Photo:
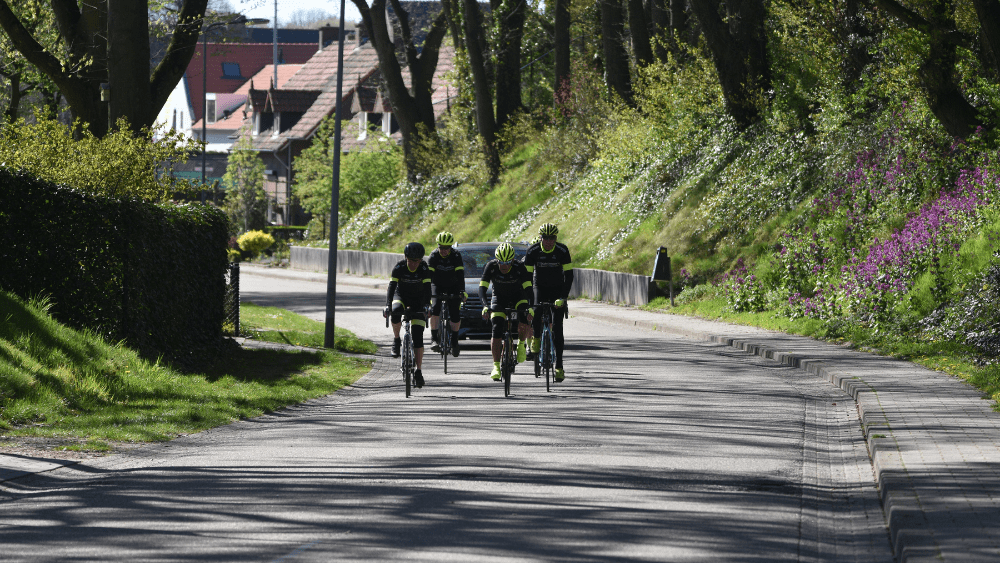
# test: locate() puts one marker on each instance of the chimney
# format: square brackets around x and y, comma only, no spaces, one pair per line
[327,35]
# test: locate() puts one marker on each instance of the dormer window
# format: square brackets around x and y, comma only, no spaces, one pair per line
[231,70]
[210,108]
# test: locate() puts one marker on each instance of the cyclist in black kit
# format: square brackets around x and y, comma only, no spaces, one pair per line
[409,288]
[511,288]
[447,277]
[551,268]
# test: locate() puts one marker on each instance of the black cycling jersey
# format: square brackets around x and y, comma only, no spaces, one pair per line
[552,270]
[510,288]
[447,274]
[413,288]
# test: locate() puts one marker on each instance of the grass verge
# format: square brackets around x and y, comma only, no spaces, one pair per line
[271,324]
[60,383]
[946,356]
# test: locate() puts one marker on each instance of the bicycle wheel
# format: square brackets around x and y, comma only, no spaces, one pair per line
[546,355]
[408,362]
[507,365]
[443,335]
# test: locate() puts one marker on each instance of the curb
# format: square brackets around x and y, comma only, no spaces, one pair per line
[899,503]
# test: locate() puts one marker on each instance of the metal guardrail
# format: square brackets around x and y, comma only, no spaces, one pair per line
[232,306]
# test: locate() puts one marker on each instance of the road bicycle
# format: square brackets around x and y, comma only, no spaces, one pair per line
[407,355]
[546,356]
[508,359]
[444,326]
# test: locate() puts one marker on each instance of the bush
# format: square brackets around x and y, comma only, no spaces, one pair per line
[150,274]
[121,164]
[255,242]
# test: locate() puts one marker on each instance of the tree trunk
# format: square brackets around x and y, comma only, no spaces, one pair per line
[944,97]
[85,29]
[510,16]
[616,70]
[485,123]
[739,52]
[10,114]
[988,12]
[680,24]
[128,64]
[415,113]
[561,36]
[639,30]
[854,35]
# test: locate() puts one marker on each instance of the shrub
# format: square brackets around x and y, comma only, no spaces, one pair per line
[121,164]
[255,242]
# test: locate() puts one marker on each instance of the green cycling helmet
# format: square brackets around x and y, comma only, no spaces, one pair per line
[445,239]
[548,230]
[505,253]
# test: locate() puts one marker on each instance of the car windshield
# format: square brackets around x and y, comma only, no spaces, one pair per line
[475,259]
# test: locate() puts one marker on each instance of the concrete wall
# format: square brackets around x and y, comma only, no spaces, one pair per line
[600,285]
[614,287]
[377,264]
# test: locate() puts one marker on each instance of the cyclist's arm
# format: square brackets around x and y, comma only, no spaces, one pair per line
[390,292]
[567,276]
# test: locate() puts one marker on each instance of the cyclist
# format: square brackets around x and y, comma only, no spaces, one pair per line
[511,288]
[409,287]
[551,268]
[447,276]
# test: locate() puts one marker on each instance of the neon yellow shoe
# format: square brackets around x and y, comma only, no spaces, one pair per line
[560,375]
[522,354]
[495,376]
[536,345]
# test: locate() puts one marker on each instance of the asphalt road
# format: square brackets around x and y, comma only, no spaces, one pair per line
[656,448]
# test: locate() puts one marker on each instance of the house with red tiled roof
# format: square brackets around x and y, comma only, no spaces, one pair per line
[281,126]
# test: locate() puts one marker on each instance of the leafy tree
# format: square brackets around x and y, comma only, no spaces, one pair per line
[364,174]
[412,106]
[121,164]
[246,202]
[90,48]
[22,77]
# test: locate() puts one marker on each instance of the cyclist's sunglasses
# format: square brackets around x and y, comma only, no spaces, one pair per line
[549,237]
[444,247]
[505,262]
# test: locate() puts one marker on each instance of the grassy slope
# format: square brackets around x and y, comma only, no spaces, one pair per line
[55,381]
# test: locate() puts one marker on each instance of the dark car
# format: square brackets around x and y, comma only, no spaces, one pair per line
[475,255]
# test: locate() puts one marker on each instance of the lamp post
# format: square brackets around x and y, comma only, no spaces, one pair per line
[331,270]
[241,20]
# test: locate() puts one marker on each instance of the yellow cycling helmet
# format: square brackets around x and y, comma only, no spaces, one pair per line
[548,230]
[505,253]
[445,239]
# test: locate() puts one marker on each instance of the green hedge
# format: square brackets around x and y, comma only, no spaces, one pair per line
[149,274]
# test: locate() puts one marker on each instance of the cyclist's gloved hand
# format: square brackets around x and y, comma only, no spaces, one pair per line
[465,296]
[385,312]
[486,311]
[531,312]
[559,303]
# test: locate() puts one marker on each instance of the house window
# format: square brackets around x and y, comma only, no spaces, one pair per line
[210,110]
[231,70]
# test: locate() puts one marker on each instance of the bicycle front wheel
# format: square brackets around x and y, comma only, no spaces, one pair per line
[507,366]
[547,354]
[408,363]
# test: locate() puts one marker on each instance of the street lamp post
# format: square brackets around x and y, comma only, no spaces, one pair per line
[241,20]
[331,270]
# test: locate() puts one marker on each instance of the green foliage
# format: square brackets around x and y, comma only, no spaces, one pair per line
[272,324]
[120,165]
[245,202]
[365,173]
[56,381]
[255,242]
[149,274]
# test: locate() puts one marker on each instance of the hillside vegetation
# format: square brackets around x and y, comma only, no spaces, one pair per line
[848,204]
